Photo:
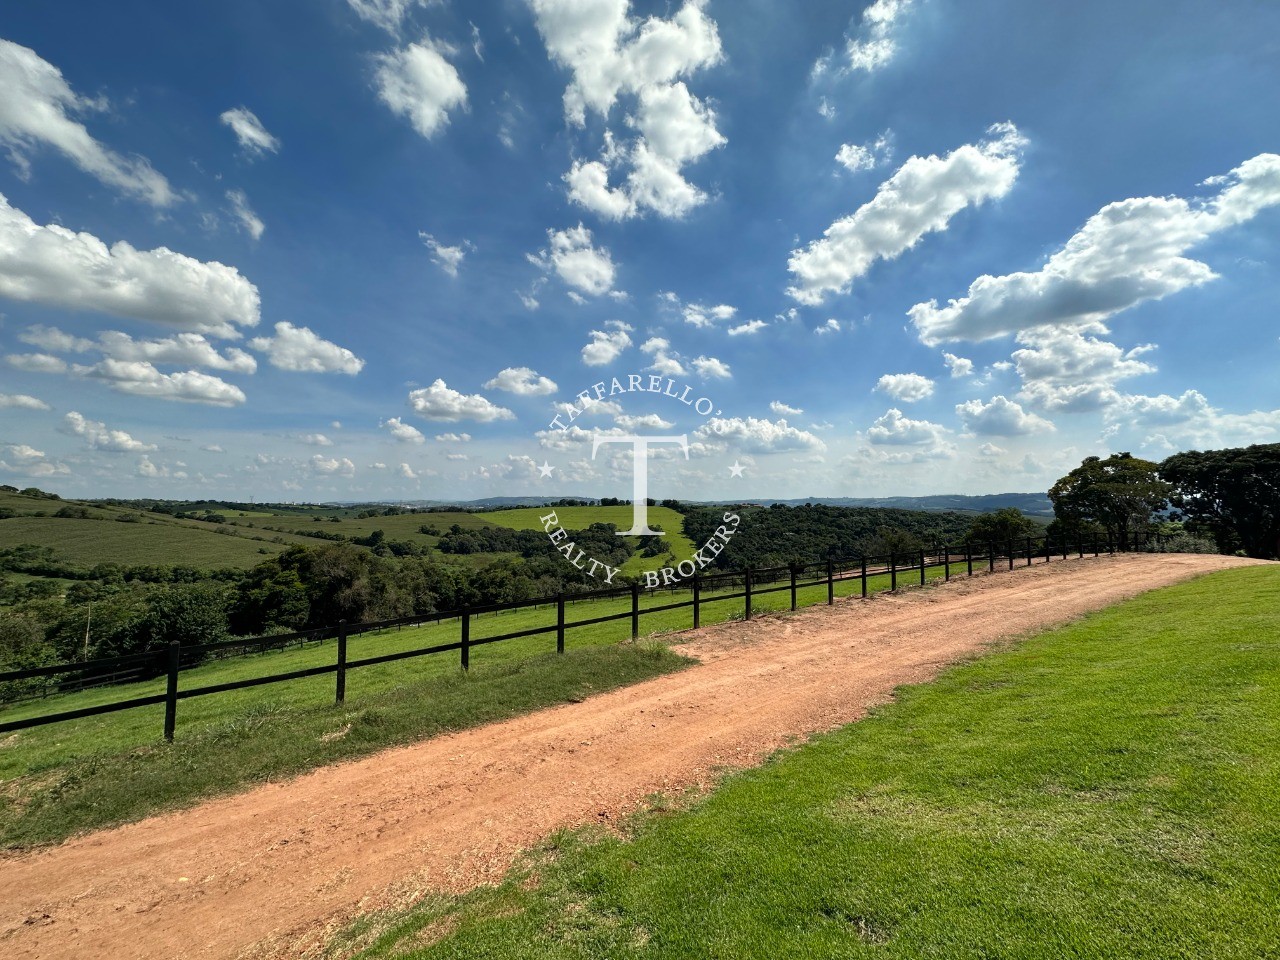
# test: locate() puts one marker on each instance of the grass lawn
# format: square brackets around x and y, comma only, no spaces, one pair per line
[88,542]
[671,522]
[36,765]
[1108,789]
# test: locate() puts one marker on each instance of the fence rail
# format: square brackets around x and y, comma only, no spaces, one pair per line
[171,661]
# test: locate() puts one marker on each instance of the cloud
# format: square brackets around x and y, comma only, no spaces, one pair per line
[323,466]
[665,361]
[407,473]
[907,387]
[1127,253]
[252,136]
[447,259]
[920,198]
[1070,370]
[895,429]
[611,54]
[709,368]
[418,83]
[858,157]
[248,220]
[32,463]
[578,263]
[453,437]
[783,410]
[21,401]
[100,437]
[959,366]
[183,349]
[36,111]
[759,436]
[141,379]
[54,340]
[523,382]
[1190,421]
[387,14]
[54,266]
[404,432]
[875,45]
[702,317]
[831,326]
[315,440]
[606,345]
[300,350]
[750,327]
[1001,417]
[36,362]
[439,402]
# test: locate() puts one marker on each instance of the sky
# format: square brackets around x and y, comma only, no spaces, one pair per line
[319,250]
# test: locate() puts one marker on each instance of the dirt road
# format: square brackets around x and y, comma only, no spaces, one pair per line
[268,871]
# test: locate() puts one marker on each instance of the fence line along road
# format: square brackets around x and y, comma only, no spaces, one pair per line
[754,583]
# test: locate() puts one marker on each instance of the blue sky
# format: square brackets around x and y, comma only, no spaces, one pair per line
[344,249]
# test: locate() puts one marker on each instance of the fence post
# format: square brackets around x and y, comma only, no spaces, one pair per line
[466,639]
[1010,553]
[1095,544]
[831,582]
[1080,547]
[697,598]
[991,557]
[946,562]
[864,577]
[922,567]
[171,691]
[341,693]
[1066,547]
[635,611]
[559,623]
[793,587]
[1111,547]
[893,571]
[747,590]
[968,556]
[1028,551]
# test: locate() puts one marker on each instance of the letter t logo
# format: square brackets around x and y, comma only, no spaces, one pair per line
[639,476]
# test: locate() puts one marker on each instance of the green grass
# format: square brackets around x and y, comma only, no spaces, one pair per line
[671,522]
[88,542]
[36,760]
[1107,789]
[275,738]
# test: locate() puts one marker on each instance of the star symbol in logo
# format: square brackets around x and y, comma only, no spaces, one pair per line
[736,469]
[546,469]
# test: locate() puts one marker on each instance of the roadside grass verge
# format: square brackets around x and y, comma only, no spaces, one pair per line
[1107,789]
[270,739]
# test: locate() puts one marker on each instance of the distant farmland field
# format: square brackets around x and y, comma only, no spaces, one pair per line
[579,518]
[89,542]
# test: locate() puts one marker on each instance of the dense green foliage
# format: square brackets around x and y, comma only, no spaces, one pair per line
[1120,495]
[1108,789]
[1235,494]
[779,535]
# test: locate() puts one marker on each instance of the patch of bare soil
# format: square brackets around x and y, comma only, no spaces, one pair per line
[270,871]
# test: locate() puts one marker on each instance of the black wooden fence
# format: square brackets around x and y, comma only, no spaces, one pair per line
[745,585]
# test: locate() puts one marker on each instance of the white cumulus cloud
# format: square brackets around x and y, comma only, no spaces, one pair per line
[1001,417]
[523,382]
[418,83]
[38,109]
[605,346]
[440,402]
[54,266]
[404,432]
[301,350]
[574,258]
[98,436]
[1127,253]
[920,198]
[907,387]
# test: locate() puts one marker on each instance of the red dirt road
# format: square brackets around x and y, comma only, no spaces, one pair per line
[267,872]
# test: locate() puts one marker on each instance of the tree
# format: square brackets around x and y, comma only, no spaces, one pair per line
[1000,527]
[1121,494]
[1234,492]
